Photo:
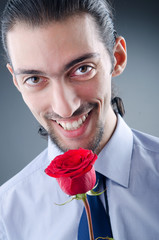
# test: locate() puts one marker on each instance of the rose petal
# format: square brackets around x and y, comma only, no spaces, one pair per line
[74,171]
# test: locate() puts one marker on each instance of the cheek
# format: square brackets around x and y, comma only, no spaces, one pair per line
[98,89]
[105,87]
[36,105]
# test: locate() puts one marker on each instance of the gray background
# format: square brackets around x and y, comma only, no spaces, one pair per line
[138,22]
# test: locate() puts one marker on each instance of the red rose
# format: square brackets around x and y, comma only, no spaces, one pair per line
[74,171]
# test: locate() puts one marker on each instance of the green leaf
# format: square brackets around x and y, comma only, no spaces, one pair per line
[77,197]
[96,185]
[70,200]
[81,196]
[93,193]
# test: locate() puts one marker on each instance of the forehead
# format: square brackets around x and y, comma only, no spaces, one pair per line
[55,42]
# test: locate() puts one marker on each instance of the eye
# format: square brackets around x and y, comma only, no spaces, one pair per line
[82,70]
[33,81]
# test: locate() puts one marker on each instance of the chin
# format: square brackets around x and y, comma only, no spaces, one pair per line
[91,143]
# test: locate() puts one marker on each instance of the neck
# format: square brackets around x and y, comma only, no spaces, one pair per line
[109,129]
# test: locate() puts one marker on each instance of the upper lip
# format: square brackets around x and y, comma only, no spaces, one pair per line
[71,119]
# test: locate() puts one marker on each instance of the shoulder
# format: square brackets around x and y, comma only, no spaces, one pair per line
[145,141]
[145,155]
[38,163]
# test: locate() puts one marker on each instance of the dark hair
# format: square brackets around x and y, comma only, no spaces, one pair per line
[40,12]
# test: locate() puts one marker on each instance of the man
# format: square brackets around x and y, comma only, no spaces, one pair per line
[62,56]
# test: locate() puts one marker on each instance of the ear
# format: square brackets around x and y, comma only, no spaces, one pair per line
[120,56]
[13,75]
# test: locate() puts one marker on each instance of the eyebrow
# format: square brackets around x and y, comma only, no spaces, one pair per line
[28,71]
[80,59]
[66,67]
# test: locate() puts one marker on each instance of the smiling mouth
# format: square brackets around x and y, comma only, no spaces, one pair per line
[70,126]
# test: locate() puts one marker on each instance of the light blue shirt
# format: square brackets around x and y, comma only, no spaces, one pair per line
[130,161]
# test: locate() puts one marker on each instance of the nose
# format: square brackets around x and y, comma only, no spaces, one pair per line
[64,99]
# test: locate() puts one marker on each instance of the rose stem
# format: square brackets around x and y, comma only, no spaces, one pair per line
[89,219]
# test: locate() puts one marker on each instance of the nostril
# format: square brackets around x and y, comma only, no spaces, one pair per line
[64,99]
[65,109]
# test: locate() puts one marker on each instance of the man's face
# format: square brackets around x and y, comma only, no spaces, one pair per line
[63,72]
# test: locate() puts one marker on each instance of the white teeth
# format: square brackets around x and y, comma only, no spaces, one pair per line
[73,125]
[68,126]
[83,118]
[63,125]
[80,121]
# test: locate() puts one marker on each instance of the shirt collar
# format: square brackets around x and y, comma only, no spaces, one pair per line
[115,158]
